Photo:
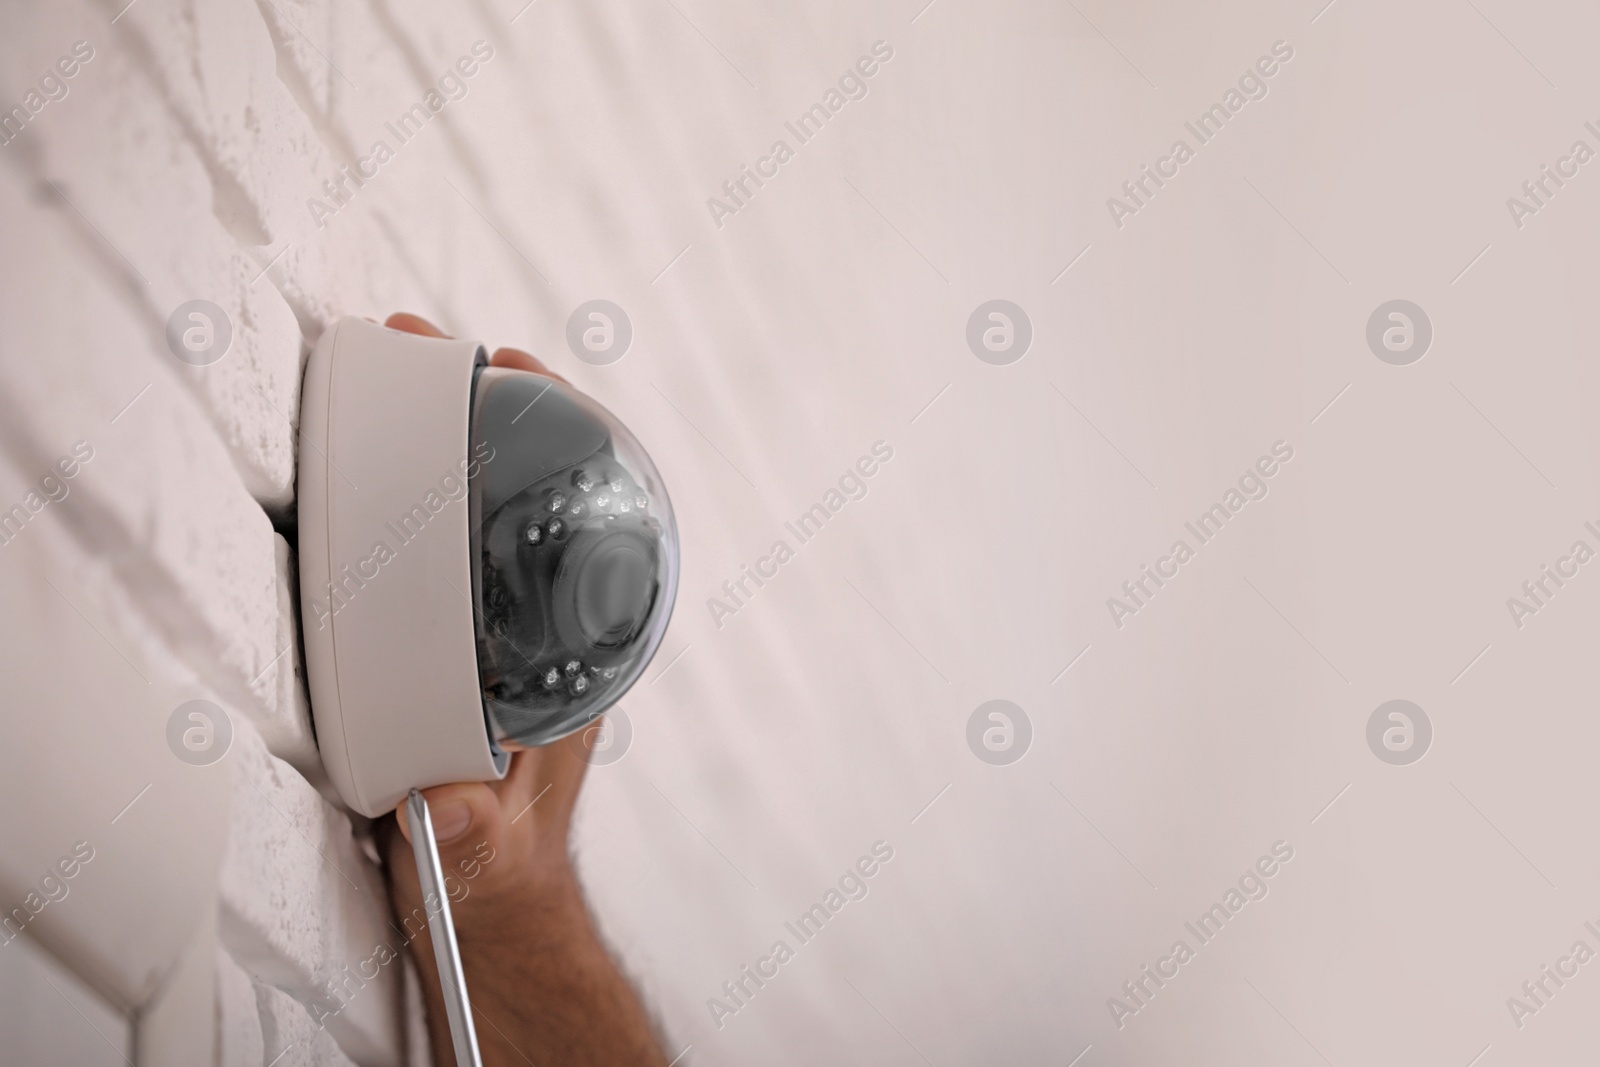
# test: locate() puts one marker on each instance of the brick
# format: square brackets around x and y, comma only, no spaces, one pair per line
[138,174]
[239,1036]
[238,79]
[283,716]
[301,902]
[406,237]
[161,507]
[291,1036]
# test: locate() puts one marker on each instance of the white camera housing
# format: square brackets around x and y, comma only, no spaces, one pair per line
[470,579]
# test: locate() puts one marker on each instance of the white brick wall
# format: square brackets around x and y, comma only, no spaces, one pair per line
[170,172]
[178,167]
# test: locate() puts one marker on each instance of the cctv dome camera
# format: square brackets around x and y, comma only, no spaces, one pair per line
[488,559]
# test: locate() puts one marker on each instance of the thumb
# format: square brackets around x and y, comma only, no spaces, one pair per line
[469,827]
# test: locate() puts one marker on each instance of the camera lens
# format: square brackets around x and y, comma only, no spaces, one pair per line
[604,590]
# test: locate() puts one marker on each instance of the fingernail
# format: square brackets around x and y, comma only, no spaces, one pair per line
[451,819]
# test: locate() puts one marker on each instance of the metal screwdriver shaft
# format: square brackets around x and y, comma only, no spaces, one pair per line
[446,954]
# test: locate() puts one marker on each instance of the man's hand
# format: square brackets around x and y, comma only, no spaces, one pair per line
[544,989]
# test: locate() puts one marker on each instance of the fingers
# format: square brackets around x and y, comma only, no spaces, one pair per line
[517,359]
[409,323]
[494,835]
[514,358]
[454,810]
[471,830]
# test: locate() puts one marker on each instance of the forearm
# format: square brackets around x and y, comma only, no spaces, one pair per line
[544,988]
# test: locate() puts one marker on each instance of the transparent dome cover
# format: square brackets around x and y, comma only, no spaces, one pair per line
[574,555]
